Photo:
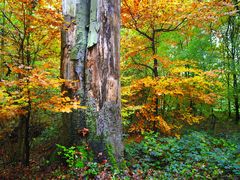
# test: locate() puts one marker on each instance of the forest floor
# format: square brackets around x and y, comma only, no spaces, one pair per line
[44,166]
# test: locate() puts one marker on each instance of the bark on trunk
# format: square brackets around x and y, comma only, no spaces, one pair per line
[2,42]
[232,43]
[236,101]
[23,151]
[228,96]
[91,54]
[74,43]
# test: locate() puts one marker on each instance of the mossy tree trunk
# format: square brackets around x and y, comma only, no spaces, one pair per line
[91,55]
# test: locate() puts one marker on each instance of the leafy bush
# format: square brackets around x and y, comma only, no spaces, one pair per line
[194,155]
[74,156]
[80,161]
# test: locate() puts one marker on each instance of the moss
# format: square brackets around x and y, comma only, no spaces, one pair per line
[111,157]
[117,166]
[91,116]
[74,53]
[99,143]
[91,124]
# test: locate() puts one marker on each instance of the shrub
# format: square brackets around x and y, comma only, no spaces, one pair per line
[196,155]
[74,156]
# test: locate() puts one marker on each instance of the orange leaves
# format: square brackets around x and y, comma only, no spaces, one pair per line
[147,121]
[174,84]
[182,84]
[31,26]
[187,117]
[149,14]
[164,127]
[161,16]
[37,87]
[60,104]
[164,61]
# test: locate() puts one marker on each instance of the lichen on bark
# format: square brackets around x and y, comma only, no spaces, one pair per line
[93,24]
[93,56]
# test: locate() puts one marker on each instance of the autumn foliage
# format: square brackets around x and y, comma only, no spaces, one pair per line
[30,53]
[59,84]
[36,89]
[167,92]
[177,91]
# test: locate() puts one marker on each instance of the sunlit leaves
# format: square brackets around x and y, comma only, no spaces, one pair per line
[31,28]
[165,15]
[184,83]
[154,36]
[31,36]
[37,87]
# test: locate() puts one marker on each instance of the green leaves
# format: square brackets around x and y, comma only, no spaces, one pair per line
[75,157]
[195,155]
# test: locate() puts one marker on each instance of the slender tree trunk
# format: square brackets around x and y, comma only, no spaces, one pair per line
[23,139]
[232,43]
[155,73]
[2,42]
[228,96]
[234,49]
[236,100]
[23,151]
[91,55]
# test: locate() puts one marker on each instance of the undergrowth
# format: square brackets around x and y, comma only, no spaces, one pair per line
[195,155]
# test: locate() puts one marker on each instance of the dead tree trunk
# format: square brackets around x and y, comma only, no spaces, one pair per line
[91,55]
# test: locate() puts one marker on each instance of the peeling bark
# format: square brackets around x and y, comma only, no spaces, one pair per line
[91,54]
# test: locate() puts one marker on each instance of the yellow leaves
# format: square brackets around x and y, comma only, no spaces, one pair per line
[65,109]
[38,87]
[40,25]
[183,83]
[150,14]
[187,117]
[144,17]
[163,125]
[10,104]
[179,82]
[182,70]
[60,104]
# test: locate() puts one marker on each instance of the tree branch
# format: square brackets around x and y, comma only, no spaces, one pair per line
[135,23]
[9,20]
[140,64]
[170,28]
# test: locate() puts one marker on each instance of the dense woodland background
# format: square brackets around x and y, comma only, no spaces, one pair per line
[180,73]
